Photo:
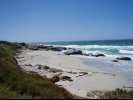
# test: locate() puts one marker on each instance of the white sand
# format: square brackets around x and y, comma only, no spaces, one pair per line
[80,86]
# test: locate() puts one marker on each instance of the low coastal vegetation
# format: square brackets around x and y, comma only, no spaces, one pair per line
[15,83]
[118,94]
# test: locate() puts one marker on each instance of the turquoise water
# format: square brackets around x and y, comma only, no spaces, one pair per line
[98,42]
[111,48]
[108,47]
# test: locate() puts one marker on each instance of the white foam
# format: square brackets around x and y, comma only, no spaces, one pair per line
[126,51]
[123,50]
[94,51]
[97,46]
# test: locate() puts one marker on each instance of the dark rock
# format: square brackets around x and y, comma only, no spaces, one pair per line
[72,72]
[33,47]
[69,48]
[124,58]
[114,60]
[55,79]
[73,52]
[84,73]
[23,44]
[45,67]
[28,65]
[57,48]
[90,54]
[85,54]
[40,47]
[39,67]
[99,55]
[64,48]
[53,70]
[18,57]
[44,47]
[66,78]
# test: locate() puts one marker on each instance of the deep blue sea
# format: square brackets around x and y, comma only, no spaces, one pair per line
[111,48]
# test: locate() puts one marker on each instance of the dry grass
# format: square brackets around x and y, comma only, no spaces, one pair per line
[31,84]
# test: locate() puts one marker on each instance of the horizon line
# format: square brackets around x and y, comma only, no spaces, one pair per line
[83,40]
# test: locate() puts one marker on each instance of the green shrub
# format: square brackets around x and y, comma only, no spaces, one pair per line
[30,84]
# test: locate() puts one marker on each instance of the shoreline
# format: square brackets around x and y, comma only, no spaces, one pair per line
[105,64]
[81,85]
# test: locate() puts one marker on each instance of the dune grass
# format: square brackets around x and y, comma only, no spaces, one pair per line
[118,94]
[25,85]
[6,93]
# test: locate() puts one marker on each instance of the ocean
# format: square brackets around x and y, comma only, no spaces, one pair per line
[111,48]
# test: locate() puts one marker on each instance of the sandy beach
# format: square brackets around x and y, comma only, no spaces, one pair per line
[86,81]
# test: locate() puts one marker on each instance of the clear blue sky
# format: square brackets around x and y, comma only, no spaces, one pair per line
[65,20]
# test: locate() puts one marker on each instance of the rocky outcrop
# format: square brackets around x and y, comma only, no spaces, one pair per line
[99,55]
[53,70]
[55,79]
[64,78]
[73,52]
[23,44]
[72,72]
[33,47]
[94,55]
[82,74]
[28,65]
[42,47]
[46,67]
[124,58]
[57,48]
[39,68]
[90,54]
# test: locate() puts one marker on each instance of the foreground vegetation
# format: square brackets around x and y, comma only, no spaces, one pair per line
[15,83]
[118,94]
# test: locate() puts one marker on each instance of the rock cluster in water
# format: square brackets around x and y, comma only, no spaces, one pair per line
[124,58]
[68,51]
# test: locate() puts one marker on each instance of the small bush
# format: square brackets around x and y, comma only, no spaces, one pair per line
[118,94]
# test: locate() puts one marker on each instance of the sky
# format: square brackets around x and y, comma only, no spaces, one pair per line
[65,20]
